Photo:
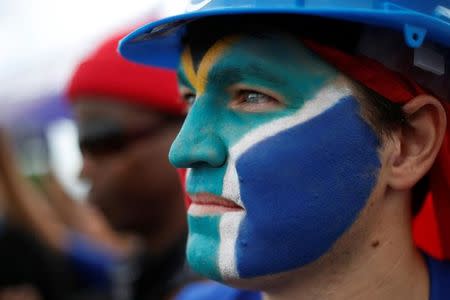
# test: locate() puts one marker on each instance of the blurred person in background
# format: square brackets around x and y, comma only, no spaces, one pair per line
[127,117]
[29,270]
[130,236]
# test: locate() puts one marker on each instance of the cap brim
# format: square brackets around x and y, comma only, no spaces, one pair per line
[159,43]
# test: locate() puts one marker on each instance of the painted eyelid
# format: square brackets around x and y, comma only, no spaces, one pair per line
[238,89]
[182,79]
[259,96]
[189,102]
[185,92]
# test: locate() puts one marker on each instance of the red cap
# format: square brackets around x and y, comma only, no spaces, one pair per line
[432,225]
[106,73]
[182,173]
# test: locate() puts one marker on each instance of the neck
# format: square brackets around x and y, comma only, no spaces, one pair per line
[386,266]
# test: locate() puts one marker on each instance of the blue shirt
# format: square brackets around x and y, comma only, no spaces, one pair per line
[439,278]
[94,262]
[215,291]
[439,288]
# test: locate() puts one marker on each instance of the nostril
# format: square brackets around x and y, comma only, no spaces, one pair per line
[200,164]
[203,152]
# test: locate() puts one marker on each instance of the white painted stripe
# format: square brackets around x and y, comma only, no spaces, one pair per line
[188,173]
[197,210]
[229,225]
[229,230]
[325,99]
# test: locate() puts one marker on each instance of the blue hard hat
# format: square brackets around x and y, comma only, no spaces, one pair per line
[159,43]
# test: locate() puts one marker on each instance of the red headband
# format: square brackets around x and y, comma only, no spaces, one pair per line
[432,225]
[106,73]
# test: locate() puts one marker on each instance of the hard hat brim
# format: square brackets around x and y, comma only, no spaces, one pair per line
[159,43]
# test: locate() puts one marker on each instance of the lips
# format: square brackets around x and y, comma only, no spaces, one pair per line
[209,204]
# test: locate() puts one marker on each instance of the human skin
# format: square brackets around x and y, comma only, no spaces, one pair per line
[303,221]
[136,188]
[293,93]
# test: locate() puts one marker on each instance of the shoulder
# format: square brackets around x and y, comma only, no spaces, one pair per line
[439,279]
[215,291]
[81,248]
[93,262]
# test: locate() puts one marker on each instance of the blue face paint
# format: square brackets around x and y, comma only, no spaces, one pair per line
[302,171]
[302,188]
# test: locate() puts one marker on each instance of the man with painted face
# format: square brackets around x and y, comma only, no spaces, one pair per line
[317,136]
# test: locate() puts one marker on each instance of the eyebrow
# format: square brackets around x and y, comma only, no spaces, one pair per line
[230,74]
[182,79]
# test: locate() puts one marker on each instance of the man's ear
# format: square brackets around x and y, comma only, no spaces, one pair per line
[418,142]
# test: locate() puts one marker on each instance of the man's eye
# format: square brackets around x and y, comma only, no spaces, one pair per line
[252,101]
[252,97]
[189,98]
[187,95]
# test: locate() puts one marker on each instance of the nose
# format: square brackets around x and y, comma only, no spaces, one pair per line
[198,145]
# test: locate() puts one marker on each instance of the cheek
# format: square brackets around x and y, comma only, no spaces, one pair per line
[203,245]
[303,188]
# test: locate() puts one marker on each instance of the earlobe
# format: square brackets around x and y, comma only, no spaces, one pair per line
[417,143]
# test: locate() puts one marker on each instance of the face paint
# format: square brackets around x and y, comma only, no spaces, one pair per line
[302,172]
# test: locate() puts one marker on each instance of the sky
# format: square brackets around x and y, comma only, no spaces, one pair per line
[42,40]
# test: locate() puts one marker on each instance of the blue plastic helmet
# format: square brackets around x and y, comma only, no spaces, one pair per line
[159,43]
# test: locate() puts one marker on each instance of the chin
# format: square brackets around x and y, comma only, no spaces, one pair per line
[259,283]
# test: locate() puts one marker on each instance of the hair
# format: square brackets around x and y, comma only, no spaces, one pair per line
[383,115]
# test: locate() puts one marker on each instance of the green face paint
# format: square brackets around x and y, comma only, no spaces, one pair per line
[277,63]
[231,77]
[204,232]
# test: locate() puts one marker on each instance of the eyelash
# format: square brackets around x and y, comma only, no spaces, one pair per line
[188,97]
[241,99]
[262,101]
[243,96]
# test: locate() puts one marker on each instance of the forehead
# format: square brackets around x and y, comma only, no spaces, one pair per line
[269,54]
[271,43]
[203,34]
[273,60]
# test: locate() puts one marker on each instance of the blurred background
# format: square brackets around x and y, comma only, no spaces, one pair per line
[42,42]
[119,232]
